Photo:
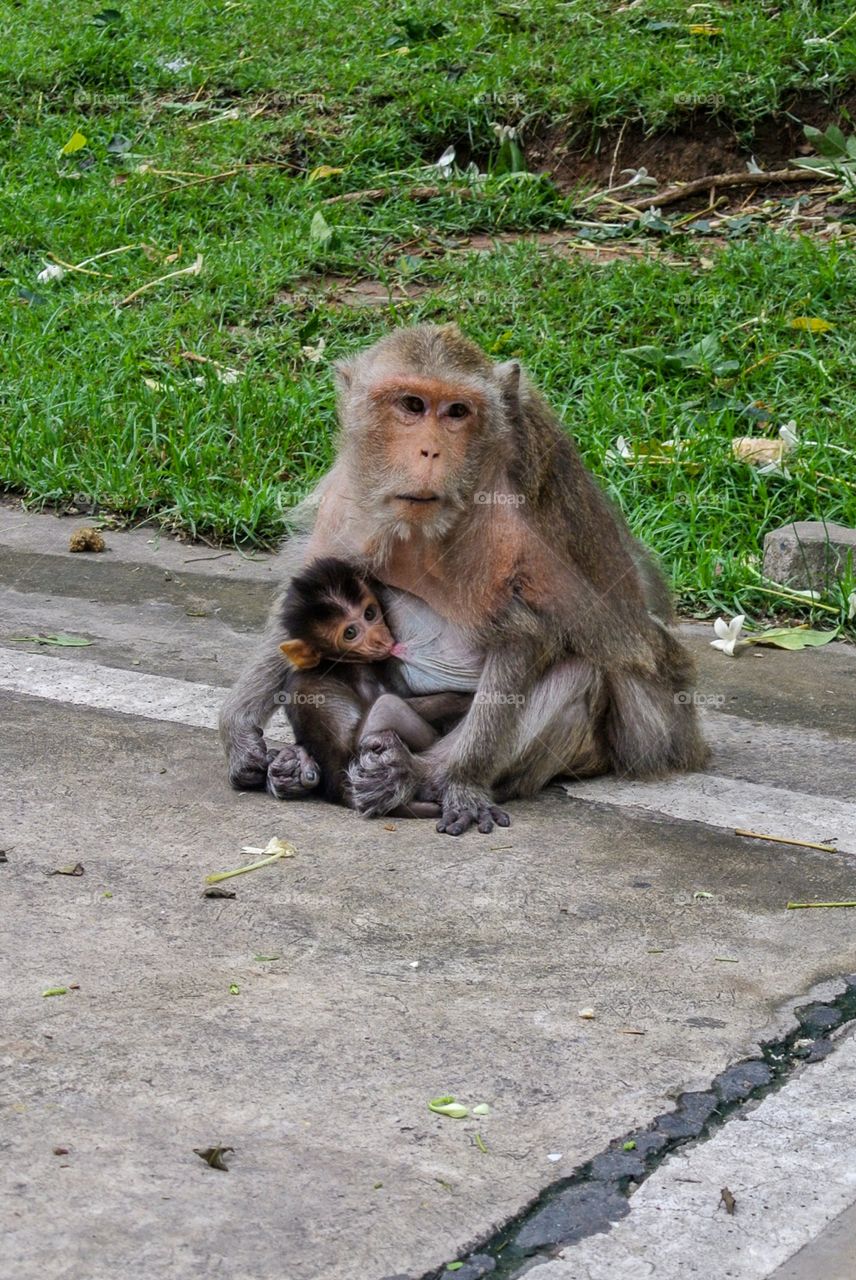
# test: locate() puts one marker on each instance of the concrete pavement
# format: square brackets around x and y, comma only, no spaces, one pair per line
[380,967]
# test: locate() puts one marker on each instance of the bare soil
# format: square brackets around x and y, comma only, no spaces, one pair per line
[700,144]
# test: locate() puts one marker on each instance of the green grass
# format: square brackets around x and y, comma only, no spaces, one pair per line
[324,85]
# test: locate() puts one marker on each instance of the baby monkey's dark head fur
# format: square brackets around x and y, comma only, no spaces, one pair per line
[331,610]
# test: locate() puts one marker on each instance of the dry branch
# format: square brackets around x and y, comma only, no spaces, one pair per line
[382,193]
[671,194]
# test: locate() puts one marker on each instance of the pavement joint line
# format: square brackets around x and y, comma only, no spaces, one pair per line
[705,798]
[599,1192]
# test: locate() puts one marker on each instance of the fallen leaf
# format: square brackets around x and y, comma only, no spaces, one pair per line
[76,870]
[726,1198]
[76,142]
[586,1013]
[323,171]
[56,991]
[216,891]
[214,1156]
[61,640]
[447,1106]
[793,637]
[481,1110]
[234,989]
[812,324]
[758,450]
[320,232]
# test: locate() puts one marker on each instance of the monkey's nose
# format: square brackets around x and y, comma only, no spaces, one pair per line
[428,453]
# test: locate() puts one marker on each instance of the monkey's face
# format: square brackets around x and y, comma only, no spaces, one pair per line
[359,634]
[425,440]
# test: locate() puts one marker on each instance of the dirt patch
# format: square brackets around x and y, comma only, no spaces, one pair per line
[344,291]
[698,145]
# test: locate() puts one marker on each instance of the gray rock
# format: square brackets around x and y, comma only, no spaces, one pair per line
[809,554]
[573,1214]
[817,1018]
[738,1082]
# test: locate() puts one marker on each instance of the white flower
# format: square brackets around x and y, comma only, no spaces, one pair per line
[728,633]
[51,272]
[315,353]
[622,452]
[788,433]
[446,162]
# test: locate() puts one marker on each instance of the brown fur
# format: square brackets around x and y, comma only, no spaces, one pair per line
[569,611]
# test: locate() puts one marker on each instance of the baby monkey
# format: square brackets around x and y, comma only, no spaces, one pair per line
[339,649]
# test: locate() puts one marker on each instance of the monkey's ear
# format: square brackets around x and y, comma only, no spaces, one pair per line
[508,376]
[300,654]
[343,372]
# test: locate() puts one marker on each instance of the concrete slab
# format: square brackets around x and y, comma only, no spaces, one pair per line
[788,1162]
[139,564]
[408,966]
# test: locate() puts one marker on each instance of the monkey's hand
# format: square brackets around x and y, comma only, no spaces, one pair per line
[383,776]
[291,772]
[464,806]
[248,762]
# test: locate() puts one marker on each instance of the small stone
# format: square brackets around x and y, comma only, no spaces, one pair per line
[692,1114]
[809,555]
[737,1082]
[817,1018]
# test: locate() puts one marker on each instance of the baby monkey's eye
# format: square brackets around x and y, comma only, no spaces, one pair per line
[413,404]
[458,410]
[350,633]
[370,613]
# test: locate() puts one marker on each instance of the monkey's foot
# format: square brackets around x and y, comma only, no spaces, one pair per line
[382,777]
[248,764]
[292,773]
[462,808]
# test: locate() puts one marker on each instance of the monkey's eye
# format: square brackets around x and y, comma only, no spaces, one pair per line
[458,410]
[413,404]
[370,613]
[350,633]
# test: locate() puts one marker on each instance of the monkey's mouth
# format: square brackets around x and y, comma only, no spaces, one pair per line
[417,497]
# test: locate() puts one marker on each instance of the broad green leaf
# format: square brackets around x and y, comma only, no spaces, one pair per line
[56,991]
[832,143]
[60,640]
[793,637]
[320,231]
[76,142]
[447,1106]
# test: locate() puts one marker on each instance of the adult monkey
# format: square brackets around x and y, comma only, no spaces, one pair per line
[455,482]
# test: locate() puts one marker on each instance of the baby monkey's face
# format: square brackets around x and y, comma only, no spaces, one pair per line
[361,635]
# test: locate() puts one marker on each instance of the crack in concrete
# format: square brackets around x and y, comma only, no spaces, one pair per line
[598,1192]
